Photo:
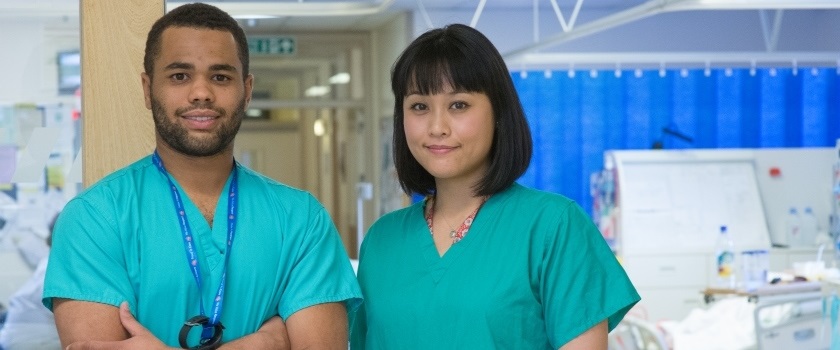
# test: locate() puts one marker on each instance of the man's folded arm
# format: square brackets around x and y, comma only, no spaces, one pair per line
[321,326]
[78,320]
[91,325]
[271,335]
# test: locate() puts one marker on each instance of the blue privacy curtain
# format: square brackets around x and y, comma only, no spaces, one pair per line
[575,117]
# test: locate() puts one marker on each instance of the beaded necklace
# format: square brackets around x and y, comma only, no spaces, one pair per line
[456,235]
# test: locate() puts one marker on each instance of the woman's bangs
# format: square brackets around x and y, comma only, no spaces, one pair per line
[434,73]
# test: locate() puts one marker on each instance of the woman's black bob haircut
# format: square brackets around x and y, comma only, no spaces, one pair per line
[463,58]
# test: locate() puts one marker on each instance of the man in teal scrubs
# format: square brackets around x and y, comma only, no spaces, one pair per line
[185,247]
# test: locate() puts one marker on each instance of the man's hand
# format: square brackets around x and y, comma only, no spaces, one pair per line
[139,336]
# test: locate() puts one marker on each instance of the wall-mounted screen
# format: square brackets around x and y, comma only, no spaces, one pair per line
[69,72]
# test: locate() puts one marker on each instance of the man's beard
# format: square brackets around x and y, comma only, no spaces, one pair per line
[177,136]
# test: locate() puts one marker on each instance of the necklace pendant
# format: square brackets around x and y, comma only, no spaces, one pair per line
[452,234]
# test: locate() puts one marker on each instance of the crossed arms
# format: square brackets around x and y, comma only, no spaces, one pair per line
[94,326]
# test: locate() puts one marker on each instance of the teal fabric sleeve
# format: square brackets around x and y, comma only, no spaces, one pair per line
[321,272]
[89,265]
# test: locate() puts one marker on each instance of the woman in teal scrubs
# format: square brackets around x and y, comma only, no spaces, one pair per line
[482,262]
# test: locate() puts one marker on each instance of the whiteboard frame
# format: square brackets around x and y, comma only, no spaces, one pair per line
[620,160]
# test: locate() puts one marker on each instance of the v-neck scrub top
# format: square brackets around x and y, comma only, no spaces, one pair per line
[533,272]
[120,240]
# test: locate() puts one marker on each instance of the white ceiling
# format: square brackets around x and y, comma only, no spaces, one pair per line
[63,14]
[604,23]
[68,9]
[344,23]
[595,15]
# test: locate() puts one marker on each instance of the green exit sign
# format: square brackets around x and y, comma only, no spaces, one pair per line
[272,45]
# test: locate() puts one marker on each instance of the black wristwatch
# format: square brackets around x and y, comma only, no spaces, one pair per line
[207,344]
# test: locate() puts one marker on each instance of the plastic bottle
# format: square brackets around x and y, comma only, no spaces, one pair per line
[725,276]
[793,228]
[809,228]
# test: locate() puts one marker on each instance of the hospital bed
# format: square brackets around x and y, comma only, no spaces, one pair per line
[757,322]
[793,321]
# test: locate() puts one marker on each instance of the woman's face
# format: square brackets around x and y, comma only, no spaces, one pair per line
[450,133]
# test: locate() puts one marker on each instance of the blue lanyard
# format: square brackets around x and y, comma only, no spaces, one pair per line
[189,244]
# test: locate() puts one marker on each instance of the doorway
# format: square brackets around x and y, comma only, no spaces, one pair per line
[304,126]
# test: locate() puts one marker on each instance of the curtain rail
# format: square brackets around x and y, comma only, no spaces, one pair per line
[671,60]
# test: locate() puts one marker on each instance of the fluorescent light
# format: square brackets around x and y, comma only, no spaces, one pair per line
[253,113]
[340,78]
[317,90]
[318,128]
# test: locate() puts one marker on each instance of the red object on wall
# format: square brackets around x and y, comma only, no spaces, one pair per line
[775,172]
[77,113]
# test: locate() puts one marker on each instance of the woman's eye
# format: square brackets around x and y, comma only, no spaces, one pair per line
[417,107]
[459,105]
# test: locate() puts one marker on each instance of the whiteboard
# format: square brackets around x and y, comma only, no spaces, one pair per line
[679,205]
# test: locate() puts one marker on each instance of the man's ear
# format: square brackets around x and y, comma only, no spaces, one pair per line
[249,88]
[147,89]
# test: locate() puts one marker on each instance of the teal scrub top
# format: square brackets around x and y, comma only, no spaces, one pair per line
[120,241]
[533,272]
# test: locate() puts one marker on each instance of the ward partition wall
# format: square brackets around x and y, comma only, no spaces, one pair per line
[117,129]
[576,115]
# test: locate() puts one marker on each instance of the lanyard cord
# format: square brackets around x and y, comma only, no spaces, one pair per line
[189,245]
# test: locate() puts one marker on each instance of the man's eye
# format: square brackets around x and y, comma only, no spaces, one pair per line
[221,78]
[179,76]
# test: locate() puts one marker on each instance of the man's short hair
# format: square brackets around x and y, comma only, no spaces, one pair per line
[199,16]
